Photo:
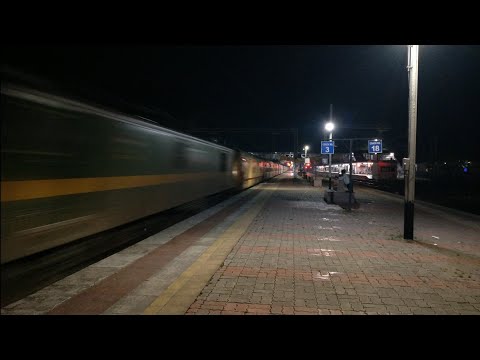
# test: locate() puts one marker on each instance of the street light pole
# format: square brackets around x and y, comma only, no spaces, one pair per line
[412,141]
[329,127]
[330,155]
[306,148]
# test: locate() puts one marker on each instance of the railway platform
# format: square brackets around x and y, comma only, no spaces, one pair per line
[279,248]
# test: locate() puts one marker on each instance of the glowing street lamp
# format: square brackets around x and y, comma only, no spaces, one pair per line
[306,149]
[329,127]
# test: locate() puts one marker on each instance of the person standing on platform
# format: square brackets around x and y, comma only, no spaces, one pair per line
[345,180]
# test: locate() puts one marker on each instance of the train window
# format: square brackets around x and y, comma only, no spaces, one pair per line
[223,162]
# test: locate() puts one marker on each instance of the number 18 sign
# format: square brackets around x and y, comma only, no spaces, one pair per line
[375,146]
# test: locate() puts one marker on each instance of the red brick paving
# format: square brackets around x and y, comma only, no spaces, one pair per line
[332,262]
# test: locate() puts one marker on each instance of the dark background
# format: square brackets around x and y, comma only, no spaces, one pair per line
[265,87]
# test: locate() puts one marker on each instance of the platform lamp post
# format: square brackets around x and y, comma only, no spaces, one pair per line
[306,149]
[329,127]
[409,162]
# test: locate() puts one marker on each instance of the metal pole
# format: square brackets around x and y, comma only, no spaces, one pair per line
[330,156]
[295,146]
[350,185]
[305,161]
[412,141]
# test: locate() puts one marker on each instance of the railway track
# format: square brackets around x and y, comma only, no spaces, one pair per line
[392,187]
[439,194]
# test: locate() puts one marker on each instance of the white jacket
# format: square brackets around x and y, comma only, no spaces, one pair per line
[345,179]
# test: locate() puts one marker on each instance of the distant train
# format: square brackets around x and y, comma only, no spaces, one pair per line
[70,170]
[384,170]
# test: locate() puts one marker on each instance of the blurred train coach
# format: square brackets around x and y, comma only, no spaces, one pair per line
[385,170]
[70,170]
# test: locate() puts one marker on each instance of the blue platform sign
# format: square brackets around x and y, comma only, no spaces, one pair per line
[375,146]
[328,147]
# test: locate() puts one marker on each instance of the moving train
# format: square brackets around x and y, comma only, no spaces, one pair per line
[383,170]
[70,170]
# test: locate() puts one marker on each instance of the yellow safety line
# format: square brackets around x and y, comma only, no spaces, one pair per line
[34,189]
[178,297]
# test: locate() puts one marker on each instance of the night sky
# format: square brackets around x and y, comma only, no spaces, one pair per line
[278,86]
